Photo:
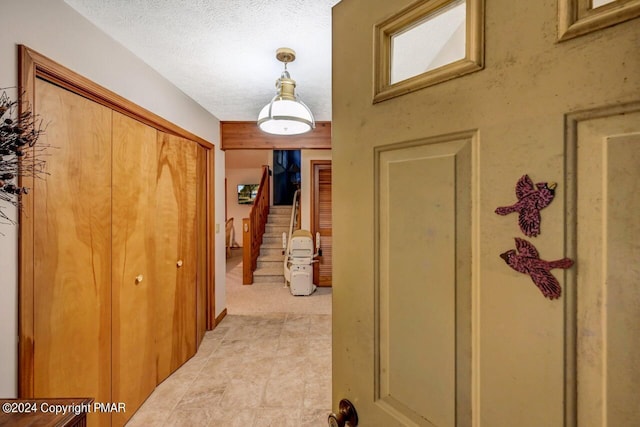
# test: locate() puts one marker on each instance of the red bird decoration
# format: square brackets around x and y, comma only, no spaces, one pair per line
[531,199]
[527,260]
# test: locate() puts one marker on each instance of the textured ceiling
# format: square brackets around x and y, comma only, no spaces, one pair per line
[222,52]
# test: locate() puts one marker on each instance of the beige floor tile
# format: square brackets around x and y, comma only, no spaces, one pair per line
[269,331]
[293,347]
[265,369]
[231,418]
[320,328]
[149,417]
[317,394]
[203,393]
[264,346]
[294,330]
[243,394]
[188,417]
[277,417]
[317,369]
[298,318]
[233,348]
[218,333]
[166,395]
[221,367]
[320,346]
[188,372]
[242,332]
[284,392]
[314,417]
[208,346]
[267,319]
[288,367]
[252,367]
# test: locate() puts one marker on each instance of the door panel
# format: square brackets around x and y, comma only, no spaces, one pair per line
[72,251]
[321,221]
[176,255]
[134,257]
[608,186]
[423,283]
[399,319]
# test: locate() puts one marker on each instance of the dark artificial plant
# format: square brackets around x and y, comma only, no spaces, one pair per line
[19,132]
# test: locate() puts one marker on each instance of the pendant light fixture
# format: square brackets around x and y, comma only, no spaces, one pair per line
[286,114]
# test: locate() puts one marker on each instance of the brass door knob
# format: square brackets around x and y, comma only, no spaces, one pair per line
[179,263]
[139,278]
[347,415]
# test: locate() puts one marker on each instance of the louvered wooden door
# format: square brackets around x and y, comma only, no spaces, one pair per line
[321,205]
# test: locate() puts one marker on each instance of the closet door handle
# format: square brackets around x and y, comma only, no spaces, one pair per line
[179,263]
[139,278]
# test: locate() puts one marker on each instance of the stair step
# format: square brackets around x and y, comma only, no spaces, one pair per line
[280,208]
[280,215]
[272,242]
[272,238]
[273,235]
[276,235]
[271,258]
[267,251]
[271,265]
[270,262]
[279,219]
[276,228]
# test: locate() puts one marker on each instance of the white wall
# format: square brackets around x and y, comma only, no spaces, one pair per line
[234,209]
[243,167]
[305,176]
[55,30]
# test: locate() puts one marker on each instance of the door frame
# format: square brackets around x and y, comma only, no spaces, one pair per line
[32,65]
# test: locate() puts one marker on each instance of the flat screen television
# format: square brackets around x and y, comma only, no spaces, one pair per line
[247,193]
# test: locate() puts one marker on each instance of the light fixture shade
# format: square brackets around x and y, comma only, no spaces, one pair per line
[286,114]
[285,117]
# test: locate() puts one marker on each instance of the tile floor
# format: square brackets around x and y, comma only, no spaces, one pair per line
[269,369]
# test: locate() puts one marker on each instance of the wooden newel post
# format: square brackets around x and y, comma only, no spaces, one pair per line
[247,250]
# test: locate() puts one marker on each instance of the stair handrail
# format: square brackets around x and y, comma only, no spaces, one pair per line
[295,218]
[253,228]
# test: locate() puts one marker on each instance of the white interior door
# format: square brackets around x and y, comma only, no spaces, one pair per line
[431,326]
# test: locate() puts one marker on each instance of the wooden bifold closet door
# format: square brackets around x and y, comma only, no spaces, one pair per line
[177,259]
[134,277]
[72,251]
[119,255]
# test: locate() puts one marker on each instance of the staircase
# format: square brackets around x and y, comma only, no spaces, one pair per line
[270,262]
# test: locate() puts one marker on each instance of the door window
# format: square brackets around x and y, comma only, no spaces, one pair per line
[597,3]
[439,39]
[427,43]
[578,17]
